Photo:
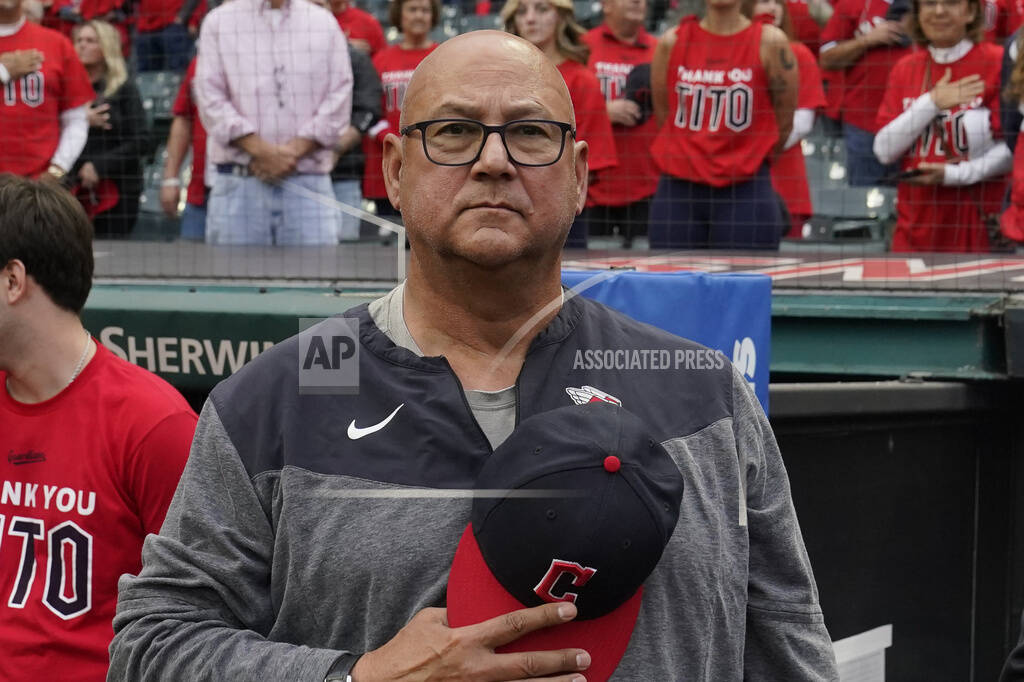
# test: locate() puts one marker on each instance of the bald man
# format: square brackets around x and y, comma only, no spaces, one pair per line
[296,547]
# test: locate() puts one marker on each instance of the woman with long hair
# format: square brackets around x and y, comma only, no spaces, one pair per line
[789,172]
[414,19]
[723,90]
[109,170]
[551,26]
[940,119]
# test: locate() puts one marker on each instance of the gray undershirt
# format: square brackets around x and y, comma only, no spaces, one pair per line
[495,411]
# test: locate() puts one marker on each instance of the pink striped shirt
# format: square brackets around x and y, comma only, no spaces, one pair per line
[277,73]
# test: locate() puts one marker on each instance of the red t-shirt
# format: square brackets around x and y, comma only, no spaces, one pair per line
[789,172]
[395,66]
[721,123]
[359,25]
[592,124]
[86,475]
[635,177]
[940,218]
[864,82]
[153,15]
[805,28]
[997,20]
[87,9]
[30,107]
[185,106]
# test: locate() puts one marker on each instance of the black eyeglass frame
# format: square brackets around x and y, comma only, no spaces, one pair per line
[422,127]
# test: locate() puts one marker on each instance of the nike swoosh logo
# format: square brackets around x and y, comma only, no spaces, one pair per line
[355,432]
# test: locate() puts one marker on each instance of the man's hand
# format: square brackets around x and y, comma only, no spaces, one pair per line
[273,162]
[360,44]
[21,62]
[170,195]
[949,93]
[99,116]
[88,176]
[624,112]
[301,146]
[427,649]
[885,33]
[347,141]
[932,174]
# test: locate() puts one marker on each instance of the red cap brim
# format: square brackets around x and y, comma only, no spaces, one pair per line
[475,595]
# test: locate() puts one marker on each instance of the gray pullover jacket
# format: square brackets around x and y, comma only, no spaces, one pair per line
[288,541]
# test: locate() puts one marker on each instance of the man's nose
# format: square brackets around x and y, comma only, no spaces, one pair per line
[494,157]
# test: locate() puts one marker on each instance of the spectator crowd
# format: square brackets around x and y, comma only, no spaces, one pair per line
[697,133]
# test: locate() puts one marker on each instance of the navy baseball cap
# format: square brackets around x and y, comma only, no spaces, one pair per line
[576,505]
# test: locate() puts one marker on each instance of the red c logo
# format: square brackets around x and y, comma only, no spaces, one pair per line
[580,575]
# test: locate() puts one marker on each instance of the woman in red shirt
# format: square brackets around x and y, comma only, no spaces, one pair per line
[789,172]
[395,64]
[940,119]
[723,90]
[552,27]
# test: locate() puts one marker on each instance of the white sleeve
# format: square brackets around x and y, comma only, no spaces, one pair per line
[803,121]
[978,131]
[74,130]
[5,76]
[996,161]
[892,141]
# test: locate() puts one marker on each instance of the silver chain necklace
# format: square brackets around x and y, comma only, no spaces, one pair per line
[78,367]
[81,360]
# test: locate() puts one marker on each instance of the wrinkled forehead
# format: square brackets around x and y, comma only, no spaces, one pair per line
[492,86]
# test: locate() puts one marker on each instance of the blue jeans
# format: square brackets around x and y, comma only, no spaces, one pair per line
[246,210]
[166,49]
[349,193]
[193,222]
[691,215]
[863,169]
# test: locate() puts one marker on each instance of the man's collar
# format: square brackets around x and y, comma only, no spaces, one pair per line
[264,6]
[10,29]
[643,39]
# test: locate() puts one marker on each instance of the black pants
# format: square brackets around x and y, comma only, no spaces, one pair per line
[595,221]
[119,220]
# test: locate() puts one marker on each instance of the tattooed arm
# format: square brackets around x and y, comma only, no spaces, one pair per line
[660,79]
[783,79]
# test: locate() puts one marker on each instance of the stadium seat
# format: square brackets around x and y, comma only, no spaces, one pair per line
[473,22]
[158,90]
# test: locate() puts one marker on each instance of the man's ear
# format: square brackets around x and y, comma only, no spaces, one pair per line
[13,281]
[393,167]
[582,175]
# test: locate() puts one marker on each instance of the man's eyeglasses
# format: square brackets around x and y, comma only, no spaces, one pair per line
[459,141]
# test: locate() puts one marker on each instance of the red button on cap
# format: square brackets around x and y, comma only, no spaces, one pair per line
[612,464]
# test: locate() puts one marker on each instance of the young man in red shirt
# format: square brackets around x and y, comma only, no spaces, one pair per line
[621,195]
[186,131]
[44,90]
[93,446]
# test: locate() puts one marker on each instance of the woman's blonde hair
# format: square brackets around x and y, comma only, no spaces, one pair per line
[568,33]
[110,45]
